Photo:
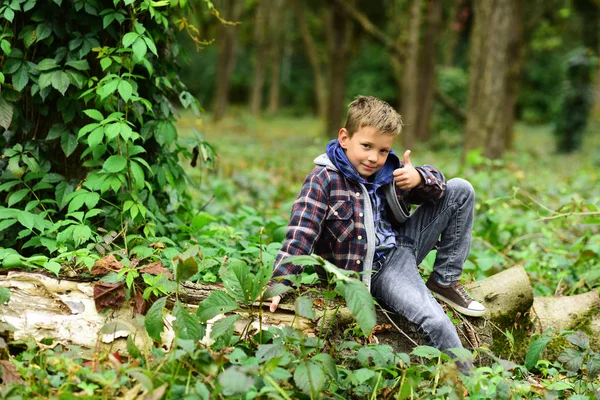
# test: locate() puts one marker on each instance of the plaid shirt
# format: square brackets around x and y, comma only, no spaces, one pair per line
[328,218]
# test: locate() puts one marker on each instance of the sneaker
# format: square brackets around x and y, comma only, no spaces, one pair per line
[456,297]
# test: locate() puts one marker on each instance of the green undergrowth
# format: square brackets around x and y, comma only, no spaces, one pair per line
[534,208]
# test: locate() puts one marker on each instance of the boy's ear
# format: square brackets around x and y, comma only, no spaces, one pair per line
[343,138]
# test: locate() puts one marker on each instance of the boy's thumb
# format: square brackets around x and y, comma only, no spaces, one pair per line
[407,158]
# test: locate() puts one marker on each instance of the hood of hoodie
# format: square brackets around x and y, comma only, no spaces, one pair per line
[336,159]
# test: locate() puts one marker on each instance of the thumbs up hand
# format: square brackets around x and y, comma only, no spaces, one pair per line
[407,177]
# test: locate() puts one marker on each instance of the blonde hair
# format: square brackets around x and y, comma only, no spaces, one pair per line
[371,111]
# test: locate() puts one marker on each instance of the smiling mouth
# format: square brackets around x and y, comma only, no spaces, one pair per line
[368,167]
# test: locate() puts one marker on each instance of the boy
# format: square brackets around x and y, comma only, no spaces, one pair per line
[353,211]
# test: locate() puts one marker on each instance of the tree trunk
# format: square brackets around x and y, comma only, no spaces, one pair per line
[44,307]
[339,37]
[456,25]
[427,61]
[516,60]
[410,78]
[277,32]
[488,72]
[232,11]
[261,18]
[313,57]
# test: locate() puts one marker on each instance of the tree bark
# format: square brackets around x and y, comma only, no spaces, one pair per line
[488,72]
[44,307]
[427,61]
[277,32]
[232,10]
[516,61]
[312,54]
[261,18]
[339,37]
[410,78]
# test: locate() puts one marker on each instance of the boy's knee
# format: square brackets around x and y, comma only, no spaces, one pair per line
[460,187]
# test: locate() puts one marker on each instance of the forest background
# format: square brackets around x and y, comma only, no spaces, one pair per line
[101,121]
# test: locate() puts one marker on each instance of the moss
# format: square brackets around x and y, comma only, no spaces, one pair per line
[584,323]
[520,327]
[555,347]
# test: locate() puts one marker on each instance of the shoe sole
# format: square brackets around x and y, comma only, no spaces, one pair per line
[460,309]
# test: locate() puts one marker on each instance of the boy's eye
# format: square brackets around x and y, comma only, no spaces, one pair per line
[366,146]
[385,151]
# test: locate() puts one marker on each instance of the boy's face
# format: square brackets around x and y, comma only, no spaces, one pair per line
[367,149]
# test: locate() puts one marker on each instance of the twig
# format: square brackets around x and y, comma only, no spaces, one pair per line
[568,215]
[397,327]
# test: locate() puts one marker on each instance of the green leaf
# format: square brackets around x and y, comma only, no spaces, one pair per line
[9,14]
[304,307]
[105,63]
[579,339]
[185,269]
[6,47]
[224,326]
[96,137]
[361,375]
[129,38]
[20,78]
[593,366]
[68,143]
[361,304]
[309,378]
[217,303]
[112,130]
[94,114]
[427,352]
[56,131]
[151,45]
[45,80]
[202,219]
[139,49]
[535,351]
[125,90]
[47,64]
[43,31]
[53,267]
[108,88]
[115,164]
[9,185]
[154,319]
[4,295]
[60,81]
[6,112]
[138,175]
[276,290]
[266,352]
[235,381]
[572,359]
[17,196]
[132,349]
[81,65]
[186,324]
[238,281]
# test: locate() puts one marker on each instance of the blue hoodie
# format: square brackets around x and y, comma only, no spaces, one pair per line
[385,236]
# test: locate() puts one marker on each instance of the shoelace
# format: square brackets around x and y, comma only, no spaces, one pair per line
[463,293]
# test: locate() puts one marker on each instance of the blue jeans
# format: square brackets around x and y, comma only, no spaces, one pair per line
[397,285]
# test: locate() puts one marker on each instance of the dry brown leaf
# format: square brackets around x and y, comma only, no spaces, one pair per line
[156,268]
[140,305]
[9,373]
[109,295]
[106,265]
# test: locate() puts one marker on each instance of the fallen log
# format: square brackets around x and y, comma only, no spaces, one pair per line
[45,307]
